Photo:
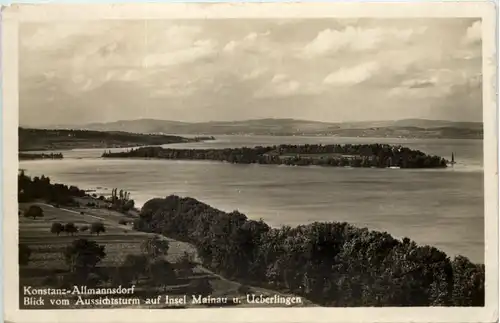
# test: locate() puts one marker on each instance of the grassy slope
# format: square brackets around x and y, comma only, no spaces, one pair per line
[120,240]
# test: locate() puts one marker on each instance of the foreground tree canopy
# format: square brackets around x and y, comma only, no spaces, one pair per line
[374,155]
[332,264]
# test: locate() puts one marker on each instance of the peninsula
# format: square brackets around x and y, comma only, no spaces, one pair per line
[33,156]
[65,139]
[373,155]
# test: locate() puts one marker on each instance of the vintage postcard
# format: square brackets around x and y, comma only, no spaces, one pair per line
[251,162]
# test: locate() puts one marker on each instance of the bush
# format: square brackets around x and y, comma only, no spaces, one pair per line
[70,228]
[34,212]
[83,255]
[134,266]
[155,247]
[97,228]
[57,228]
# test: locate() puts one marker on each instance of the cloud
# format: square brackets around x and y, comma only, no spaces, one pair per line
[356,39]
[282,85]
[473,34]
[201,49]
[352,75]
[256,73]
[252,42]
[439,83]
[177,67]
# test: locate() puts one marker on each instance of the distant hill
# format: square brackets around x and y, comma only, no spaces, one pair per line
[418,128]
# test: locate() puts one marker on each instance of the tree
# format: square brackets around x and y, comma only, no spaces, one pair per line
[155,247]
[24,254]
[97,227]
[162,273]
[70,228]
[83,255]
[186,265]
[136,265]
[34,212]
[57,228]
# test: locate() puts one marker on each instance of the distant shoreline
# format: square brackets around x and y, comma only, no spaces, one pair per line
[64,139]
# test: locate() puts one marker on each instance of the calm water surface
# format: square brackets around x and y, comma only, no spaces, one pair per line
[443,208]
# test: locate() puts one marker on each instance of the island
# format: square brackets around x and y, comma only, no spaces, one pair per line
[372,155]
[33,156]
[65,139]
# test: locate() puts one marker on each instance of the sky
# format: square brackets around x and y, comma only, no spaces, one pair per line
[330,70]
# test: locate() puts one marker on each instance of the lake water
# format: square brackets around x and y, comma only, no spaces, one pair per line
[440,207]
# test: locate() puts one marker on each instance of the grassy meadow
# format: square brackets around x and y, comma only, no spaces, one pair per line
[47,261]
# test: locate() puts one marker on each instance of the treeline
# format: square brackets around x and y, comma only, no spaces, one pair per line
[43,139]
[30,189]
[23,156]
[373,155]
[332,264]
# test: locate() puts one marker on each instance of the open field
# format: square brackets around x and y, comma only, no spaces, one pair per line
[47,260]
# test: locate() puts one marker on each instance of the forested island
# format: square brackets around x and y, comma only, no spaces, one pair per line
[24,156]
[60,139]
[371,155]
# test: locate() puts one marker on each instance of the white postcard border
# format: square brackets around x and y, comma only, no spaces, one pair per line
[15,14]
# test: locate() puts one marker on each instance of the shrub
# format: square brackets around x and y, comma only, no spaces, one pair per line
[57,228]
[135,266]
[155,247]
[97,227]
[83,255]
[34,212]
[70,228]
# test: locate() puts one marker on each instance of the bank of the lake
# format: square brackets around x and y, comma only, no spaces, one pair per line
[65,139]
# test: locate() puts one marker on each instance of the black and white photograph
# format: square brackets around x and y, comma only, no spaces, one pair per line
[283,162]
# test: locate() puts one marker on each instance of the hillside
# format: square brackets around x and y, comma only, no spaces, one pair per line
[59,139]
[407,128]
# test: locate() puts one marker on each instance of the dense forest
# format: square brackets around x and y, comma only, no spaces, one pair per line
[23,156]
[45,139]
[332,264]
[373,155]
